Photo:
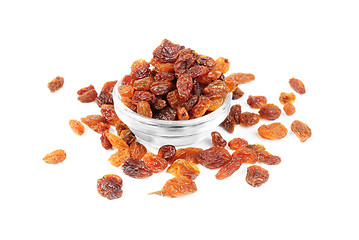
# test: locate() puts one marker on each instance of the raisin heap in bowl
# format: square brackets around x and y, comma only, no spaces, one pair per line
[177,84]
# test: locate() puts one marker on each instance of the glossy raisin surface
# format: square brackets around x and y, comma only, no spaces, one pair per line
[136,168]
[256,176]
[177,187]
[301,130]
[297,85]
[270,112]
[110,186]
[218,140]
[214,157]
[55,84]
[274,131]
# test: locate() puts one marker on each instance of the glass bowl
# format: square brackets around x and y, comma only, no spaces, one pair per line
[157,132]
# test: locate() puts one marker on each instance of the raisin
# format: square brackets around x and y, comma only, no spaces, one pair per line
[143,84]
[221,65]
[184,86]
[87,94]
[189,154]
[235,112]
[197,71]
[182,167]
[162,88]
[197,87]
[137,150]
[186,59]
[267,158]
[119,157]
[127,136]
[237,143]
[167,52]
[247,119]
[159,104]
[77,127]
[270,112]
[286,98]
[231,84]
[167,113]
[129,103]
[201,107]
[214,157]
[109,113]
[116,141]
[105,142]
[182,113]
[167,152]
[256,176]
[55,157]
[256,101]
[120,126]
[110,186]
[164,76]
[289,109]
[159,67]
[105,96]
[241,78]
[154,162]
[217,140]
[143,96]
[229,124]
[140,69]
[274,131]
[229,168]
[297,85]
[177,187]
[136,168]
[174,99]
[144,109]
[246,155]
[55,84]
[127,80]
[256,147]
[191,102]
[205,61]
[97,123]
[301,130]
[216,103]
[216,89]
[237,93]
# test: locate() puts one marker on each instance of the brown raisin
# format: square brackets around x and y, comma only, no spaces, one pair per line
[136,168]
[167,152]
[247,119]
[235,112]
[162,88]
[105,142]
[229,168]
[127,136]
[216,103]
[256,147]
[109,113]
[186,59]
[110,186]
[55,84]
[286,98]
[116,141]
[138,150]
[246,155]
[241,78]
[217,140]
[77,127]
[214,157]
[256,176]
[256,101]
[229,124]
[144,108]
[297,85]
[289,109]
[87,94]
[105,96]
[221,65]
[189,154]
[191,102]
[159,103]
[119,157]
[167,113]
[177,187]
[167,52]
[184,86]
[85,89]
[140,69]
[127,80]
[237,143]
[237,93]
[182,167]
[301,130]
[164,76]
[270,112]
[120,126]
[201,107]
[174,99]
[159,67]
[216,89]
[205,61]
[274,131]
[197,71]
[97,123]
[267,158]
[55,157]
[143,84]
[182,113]
[143,96]
[154,162]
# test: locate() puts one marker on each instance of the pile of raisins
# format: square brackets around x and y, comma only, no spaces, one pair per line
[181,85]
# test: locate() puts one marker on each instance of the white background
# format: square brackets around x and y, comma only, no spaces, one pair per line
[312,194]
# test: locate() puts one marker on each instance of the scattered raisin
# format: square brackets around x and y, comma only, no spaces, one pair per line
[247,119]
[109,113]
[105,96]
[301,130]
[229,124]
[182,167]
[217,140]
[267,158]
[154,162]
[77,127]
[256,101]
[116,141]
[246,155]
[167,152]
[235,112]
[189,154]
[105,142]
[237,143]
[241,78]
[297,85]
[237,93]
[119,157]
[127,136]
[256,176]
[274,131]
[177,187]
[229,168]
[286,98]
[110,186]
[136,168]
[97,123]
[87,94]
[55,157]
[289,109]
[214,157]
[270,112]
[137,150]
[55,84]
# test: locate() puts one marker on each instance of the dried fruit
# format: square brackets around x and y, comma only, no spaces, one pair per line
[126,91]
[267,158]
[184,86]
[97,123]
[167,152]
[167,52]
[164,76]
[270,112]
[297,85]
[110,186]
[77,127]
[105,142]
[127,136]
[119,157]
[109,113]
[286,98]
[246,155]
[241,78]
[217,140]
[274,131]
[237,93]
[289,109]
[229,168]
[137,150]
[256,101]
[247,119]
[167,113]
[186,59]
[154,162]
[182,167]
[87,94]
[256,176]
[55,84]
[174,99]
[140,69]
[105,96]
[237,143]
[201,107]
[143,96]
[235,112]
[182,113]
[143,84]
[144,109]
[214,157]
[116,141]
[189,154]
[301,130]
[229,124]
[216,89]
[177,187]
[120,126]
[162,88]
[256,147]
[55,157]
[136,168]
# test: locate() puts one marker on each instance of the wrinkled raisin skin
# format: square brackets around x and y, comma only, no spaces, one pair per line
[301,130]
[289,109]
[77,127]
[297,85]
[217,140]
[256,101]
[270,112]
[110,186]
[167,152]
[214,157]
[177,187]
[55,84]
[136,168]
[247,119]
[182,167]
[229,168]
[274,131]
[55,157]
[256,176]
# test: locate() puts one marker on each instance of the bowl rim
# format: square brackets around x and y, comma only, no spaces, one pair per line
[168,123]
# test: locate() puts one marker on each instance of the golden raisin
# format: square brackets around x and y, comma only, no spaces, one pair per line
[154,162]
[289,109]
[109,113]
[116,141]
[55,84]
[246,155]
[297,85]
[189,154]
[301,130]
[77,127]
[182,167]
[177,187]
[247,119]
[256,101]
[286,98]
[274,131]
[237,143]
[55,157]
[256,176]
[97,123]
[229,168]
[137,150]
[217,140]
[241,78]
[119,157]
[144,109]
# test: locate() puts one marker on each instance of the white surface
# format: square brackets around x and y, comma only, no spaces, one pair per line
[312,194]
